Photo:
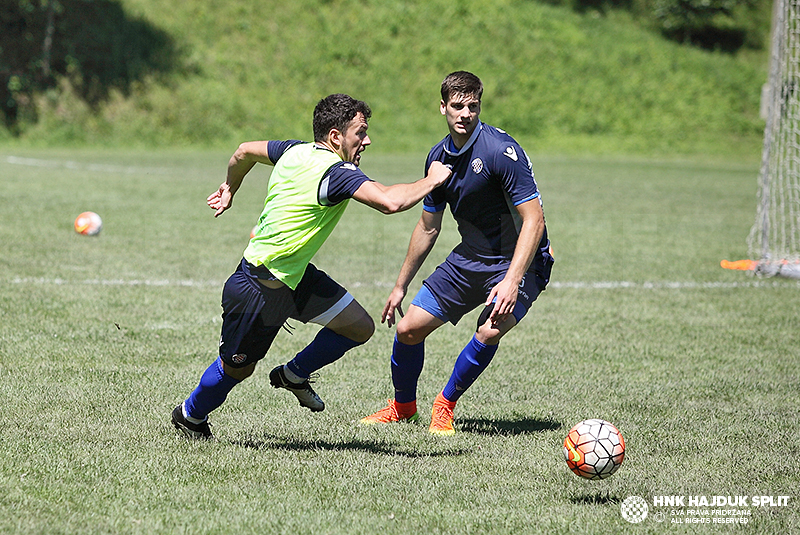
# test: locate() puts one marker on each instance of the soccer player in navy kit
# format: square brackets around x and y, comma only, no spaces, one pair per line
[502,263]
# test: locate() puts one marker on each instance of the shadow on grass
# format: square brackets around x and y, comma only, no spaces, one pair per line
[598,498]
[273,442]
[99,45]
[522,426]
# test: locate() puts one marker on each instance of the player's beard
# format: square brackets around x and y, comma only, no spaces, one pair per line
[356,158]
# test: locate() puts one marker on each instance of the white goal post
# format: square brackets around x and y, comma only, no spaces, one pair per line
[774,240]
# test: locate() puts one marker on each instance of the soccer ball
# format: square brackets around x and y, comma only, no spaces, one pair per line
[594,449]
[88,224]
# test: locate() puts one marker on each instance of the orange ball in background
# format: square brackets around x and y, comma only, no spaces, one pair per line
[88,224]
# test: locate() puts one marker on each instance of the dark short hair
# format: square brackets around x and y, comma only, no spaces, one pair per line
[461,83]
[336,111]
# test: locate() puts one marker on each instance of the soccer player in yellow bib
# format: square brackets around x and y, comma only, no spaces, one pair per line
[309,189]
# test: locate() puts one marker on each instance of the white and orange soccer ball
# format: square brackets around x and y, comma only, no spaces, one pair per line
[594,449]
[88,224]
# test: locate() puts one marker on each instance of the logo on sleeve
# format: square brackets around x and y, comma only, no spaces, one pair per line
[511,153]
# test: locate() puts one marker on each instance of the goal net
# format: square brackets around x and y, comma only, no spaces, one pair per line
[774,240]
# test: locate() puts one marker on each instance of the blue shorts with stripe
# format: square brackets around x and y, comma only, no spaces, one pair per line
[459,285]
[252,314]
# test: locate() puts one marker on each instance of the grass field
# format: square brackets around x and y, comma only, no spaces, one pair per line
[101,337]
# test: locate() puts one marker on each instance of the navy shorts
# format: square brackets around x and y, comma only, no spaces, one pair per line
[459,285]
[252,314]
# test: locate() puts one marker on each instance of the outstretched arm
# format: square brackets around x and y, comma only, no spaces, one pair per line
[530,235]
[400,197]
[422,241]
[246,156]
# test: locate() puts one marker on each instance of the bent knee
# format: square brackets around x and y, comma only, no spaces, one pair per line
[364,330]
[240,374]
[358,331]
[354,323]
[409,335]
[488,335]
[491,334]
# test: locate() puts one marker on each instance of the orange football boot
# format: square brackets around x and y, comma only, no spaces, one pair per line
[393,412]
[442,417]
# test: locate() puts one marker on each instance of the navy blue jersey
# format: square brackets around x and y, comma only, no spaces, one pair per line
[275,149]
[340,181]
[491,175]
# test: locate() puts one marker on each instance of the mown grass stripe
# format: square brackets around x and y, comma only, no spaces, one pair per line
[574,285]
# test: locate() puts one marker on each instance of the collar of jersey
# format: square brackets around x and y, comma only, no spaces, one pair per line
[321,147]
[467,145]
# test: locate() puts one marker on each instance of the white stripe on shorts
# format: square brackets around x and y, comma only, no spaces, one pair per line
[326,317]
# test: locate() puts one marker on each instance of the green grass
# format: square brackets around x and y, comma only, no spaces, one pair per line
[101,337]
[560,81]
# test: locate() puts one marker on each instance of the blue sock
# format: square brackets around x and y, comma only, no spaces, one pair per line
[407,364]
[214,387]
[326,347]
[474,358]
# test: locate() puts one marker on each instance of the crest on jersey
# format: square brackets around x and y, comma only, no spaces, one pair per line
[477,165]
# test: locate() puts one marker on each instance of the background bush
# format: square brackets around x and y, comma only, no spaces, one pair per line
[727,25]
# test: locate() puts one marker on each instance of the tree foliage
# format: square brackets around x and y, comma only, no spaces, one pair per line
[92,42]
[725,25]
